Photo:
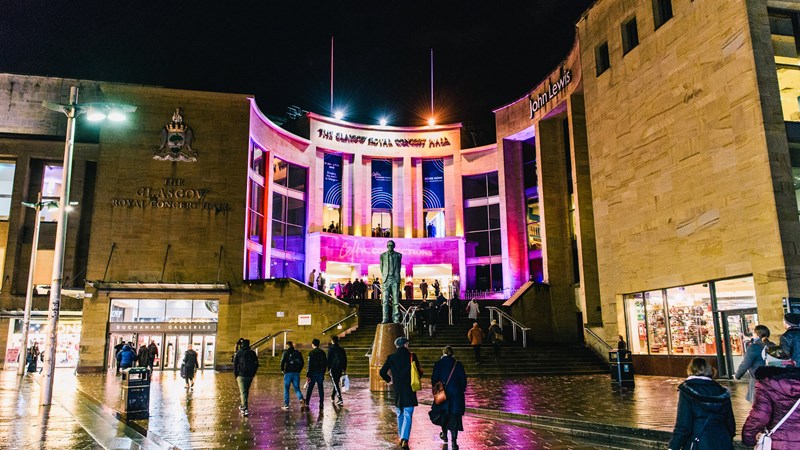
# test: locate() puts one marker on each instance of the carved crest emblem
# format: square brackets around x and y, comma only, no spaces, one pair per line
[176,141]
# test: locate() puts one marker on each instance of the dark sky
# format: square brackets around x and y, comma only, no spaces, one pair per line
[486,53]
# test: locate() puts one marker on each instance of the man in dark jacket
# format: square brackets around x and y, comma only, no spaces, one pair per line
[405,399]
[452,375]
[291,365]
[152,354]
[790,341]
[143,356]
[245,365]
[337,364]
[317,364]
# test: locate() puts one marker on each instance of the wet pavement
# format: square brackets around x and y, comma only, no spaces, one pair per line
[207,417]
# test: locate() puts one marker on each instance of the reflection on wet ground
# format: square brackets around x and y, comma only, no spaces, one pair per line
[208,417]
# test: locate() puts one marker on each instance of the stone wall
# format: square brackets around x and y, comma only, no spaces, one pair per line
[685,176]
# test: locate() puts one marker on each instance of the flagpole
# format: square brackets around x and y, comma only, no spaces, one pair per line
[431,82]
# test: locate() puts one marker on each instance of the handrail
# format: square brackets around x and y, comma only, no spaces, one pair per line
[271,337]
[408,319]
[596,336]
[515,323]
[339,322]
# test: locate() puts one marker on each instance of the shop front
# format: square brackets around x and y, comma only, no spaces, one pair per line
[172,325]
[668,327]
[67,344]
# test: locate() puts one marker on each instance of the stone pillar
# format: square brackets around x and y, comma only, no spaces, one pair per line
[512,214]
[584,213]
[382,347]
[348,195]
[556,236]
[362,195]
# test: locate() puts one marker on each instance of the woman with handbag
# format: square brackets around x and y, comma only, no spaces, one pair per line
[705,415]
[449,383]
[775,411]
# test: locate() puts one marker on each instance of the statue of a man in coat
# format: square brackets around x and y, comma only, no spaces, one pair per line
[390,271]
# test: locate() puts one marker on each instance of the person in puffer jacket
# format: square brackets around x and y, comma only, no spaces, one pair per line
[777,390]
[705,415]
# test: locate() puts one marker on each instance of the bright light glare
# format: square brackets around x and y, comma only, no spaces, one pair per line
[116,116]
[338,114]
[95,116]
[383,121]
[431,121]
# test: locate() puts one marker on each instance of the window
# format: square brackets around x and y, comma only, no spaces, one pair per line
[630,36]
[6,187]
[381,223]
[785,30]
[153,310]
[656,322]
[662,12]
[288,220]
[691,322]
[258,160]
[51,191]
[256,211]
[179,311]
[602,60]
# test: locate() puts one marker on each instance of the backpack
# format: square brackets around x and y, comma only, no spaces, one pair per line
[295,362]
[248,363]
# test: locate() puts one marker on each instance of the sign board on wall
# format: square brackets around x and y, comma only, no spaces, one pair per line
[304,319]
[433,183]
[381,184]
[332,180]
[279,314]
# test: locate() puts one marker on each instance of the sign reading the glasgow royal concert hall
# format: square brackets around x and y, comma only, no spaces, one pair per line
[538,102]
[381,140]
[173,193]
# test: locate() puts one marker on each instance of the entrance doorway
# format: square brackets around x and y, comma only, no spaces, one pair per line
[736,326]
[171,348]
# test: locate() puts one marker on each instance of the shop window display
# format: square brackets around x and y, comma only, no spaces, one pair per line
[691,320]
[656,322]
[637,339]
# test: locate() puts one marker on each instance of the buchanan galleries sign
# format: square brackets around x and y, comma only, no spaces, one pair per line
[551,90]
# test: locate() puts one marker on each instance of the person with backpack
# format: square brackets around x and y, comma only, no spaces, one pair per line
[142,356]
[291,365]
[152,350]
[337,364]
[245,365]
[317,364]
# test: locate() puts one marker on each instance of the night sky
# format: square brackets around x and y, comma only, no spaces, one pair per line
[486,53]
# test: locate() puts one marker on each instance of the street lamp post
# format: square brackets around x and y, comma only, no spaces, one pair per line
[95,111]
[26,321]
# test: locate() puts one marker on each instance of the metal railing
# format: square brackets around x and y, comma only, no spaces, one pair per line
[515,323]
[271,337]
[598,338]
[408,319]
[490,294]
[340,322]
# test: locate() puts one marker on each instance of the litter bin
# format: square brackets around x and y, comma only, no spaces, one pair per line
[135,393]
[621,363]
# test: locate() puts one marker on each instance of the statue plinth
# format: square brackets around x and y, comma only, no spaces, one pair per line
[382,347]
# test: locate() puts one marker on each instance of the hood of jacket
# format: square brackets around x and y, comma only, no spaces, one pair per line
[783,381]
[708,394]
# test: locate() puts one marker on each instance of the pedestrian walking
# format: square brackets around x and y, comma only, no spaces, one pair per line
[449,414]
[152,350]
[423,287]
[337,364]
[405,398]
[473,310]
[126,358]
[475,336]
[753,358]
[496,338]
[142,356]
[189,366]
[291,365]
[245,366]
[117,349]
[790,341]
[317,363]
[776,397]
[437,288]
[320,282]
[705,415]
[432,315]
[32,358]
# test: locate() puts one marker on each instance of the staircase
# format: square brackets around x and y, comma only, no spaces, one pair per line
[537,359]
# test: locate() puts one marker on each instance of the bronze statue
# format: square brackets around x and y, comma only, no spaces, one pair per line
[390,271]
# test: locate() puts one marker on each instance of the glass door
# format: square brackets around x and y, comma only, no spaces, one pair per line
[170,360]
[738,329]
[207,354]
[180,349]
[113,341]
[146,339]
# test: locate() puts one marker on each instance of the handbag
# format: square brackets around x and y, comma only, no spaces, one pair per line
[765,441]
[696,440]
[416,385]
[345,383]
[439,393]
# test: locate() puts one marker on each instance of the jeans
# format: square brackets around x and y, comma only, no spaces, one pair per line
[336,377]
[244,389]
[315,378]
[292,378]
[477,350]
[404,421]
